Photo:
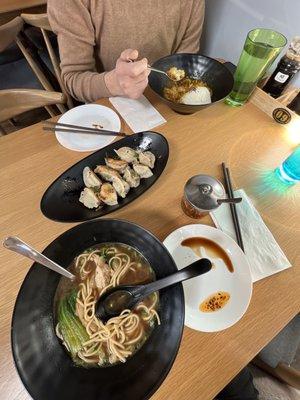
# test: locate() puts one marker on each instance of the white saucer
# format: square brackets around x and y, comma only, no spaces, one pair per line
[87,115]
[238,284]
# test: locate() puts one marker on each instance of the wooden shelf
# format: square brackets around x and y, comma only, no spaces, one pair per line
[268,104]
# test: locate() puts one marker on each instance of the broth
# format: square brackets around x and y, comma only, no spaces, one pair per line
[97,269]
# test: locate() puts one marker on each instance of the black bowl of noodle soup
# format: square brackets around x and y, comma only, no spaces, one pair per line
[62,352]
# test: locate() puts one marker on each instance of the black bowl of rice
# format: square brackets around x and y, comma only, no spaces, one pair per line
[206,81]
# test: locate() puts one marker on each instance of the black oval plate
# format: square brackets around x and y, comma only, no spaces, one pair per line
[61,203]
[44,366]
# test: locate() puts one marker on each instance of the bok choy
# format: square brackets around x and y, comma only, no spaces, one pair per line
[72,330]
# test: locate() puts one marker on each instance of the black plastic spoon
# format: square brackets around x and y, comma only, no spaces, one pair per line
[117,299]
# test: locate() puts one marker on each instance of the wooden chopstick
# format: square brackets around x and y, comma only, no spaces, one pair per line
[235,219]
[98,132]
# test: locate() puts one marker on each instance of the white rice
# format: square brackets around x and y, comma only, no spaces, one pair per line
[200,95]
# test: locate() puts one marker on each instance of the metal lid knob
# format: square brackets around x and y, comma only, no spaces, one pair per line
[203,192]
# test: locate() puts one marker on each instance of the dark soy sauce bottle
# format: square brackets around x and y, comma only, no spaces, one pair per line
[295,104]
[286,69]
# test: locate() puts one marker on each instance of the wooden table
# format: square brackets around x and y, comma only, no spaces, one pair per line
[9,9]
[244,138]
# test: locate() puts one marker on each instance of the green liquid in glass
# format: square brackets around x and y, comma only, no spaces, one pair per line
[254,61]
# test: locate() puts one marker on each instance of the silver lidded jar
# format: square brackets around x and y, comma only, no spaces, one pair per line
[201,195]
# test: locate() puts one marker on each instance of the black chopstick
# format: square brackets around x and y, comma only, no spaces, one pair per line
[97,132]
[235,219]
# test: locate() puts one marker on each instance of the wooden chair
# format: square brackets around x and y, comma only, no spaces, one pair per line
[283,372]
[16,101]
[9,33]
[41,21]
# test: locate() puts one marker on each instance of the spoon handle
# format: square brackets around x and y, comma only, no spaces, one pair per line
[199,267]
[18,246]
[157,70]
[230,200]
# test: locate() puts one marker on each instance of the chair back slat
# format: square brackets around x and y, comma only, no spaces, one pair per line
[16,101]
[9,32]
[41,21]
[37,20]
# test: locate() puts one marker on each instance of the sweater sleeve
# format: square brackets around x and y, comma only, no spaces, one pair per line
[71,21]
[190,42]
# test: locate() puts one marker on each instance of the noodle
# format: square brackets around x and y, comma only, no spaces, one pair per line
[122,335]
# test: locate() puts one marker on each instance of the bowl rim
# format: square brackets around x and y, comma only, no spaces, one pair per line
[198,106]
[165,373]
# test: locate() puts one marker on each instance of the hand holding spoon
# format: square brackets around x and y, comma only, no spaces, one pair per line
[159,71]
[169,76]
[117,299]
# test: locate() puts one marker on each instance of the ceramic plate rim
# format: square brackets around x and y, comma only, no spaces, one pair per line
[91,148]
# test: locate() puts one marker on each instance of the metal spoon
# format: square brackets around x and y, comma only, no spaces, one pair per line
[159,71]
[117,299]
[18,246]
[164,73]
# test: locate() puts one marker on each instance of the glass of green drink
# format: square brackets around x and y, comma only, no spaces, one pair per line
[261,48]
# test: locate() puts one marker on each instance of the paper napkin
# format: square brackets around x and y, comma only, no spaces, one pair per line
[139,114]
[264,255]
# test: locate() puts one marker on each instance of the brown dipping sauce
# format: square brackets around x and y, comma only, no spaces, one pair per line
[214,302]
[212,248]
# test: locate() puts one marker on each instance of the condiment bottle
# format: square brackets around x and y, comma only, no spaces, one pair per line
[286,69]
[295,104]
[201,194]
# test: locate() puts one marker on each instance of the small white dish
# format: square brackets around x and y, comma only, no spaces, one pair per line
[87,115]
[238,283]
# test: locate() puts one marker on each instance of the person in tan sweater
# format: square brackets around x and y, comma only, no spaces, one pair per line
[98,38]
